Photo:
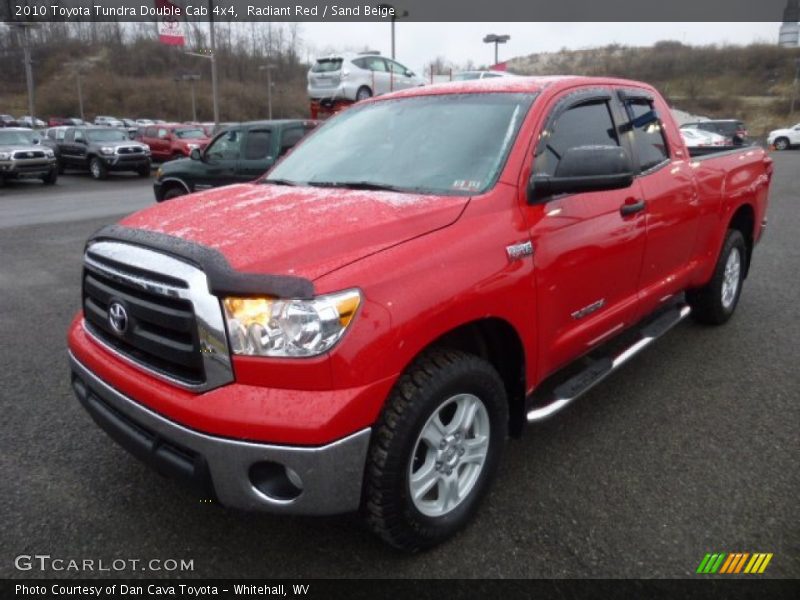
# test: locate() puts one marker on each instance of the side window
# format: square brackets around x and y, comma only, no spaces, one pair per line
[587,124]
[163,133]
[376,63]
[226,146]
[290,138]
[60,134]
[79,137]
[258,144]
[69,136]
[361,63]
[150,132]
[396,68]
[648,134]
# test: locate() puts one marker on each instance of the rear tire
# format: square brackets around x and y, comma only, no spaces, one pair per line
[363,93]
[97,168]
[782,143]
[430,463]
[714,303]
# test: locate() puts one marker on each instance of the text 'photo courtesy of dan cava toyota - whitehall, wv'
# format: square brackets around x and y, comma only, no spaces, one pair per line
[377,295]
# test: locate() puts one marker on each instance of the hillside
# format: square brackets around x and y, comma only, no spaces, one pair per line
[753,82]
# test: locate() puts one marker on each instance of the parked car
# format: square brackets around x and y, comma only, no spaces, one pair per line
[697,138]
[733,130]
[101,150]
[26,121]
[364,326]
[22,156]
[104,121]
[51,137]
[172,141]
[470,75]
[7,121]
[60,121]
[351,76]
[239,154]
[130,126]
[783,139]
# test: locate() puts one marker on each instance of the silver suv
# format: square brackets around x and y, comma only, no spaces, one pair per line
[358,76]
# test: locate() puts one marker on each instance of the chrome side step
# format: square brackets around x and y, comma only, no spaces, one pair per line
[599,369]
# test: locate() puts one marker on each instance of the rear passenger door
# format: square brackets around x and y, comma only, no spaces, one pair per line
[587,253]
[672,204]
[258,154]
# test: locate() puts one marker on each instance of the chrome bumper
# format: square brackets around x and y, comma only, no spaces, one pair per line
[330,476]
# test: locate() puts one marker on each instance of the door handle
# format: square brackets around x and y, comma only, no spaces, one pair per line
[632,207]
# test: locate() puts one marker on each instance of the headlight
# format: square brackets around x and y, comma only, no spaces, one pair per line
[5,155]
[106,150]
[280,327]
[192,146]
[146,149]
[49,153]
[159,173]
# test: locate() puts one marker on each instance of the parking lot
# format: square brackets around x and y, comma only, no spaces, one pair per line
[692,448]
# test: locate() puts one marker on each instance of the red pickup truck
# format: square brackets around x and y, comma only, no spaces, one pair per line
[170,142]
[422,276]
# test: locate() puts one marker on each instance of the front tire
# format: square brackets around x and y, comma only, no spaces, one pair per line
[714,303]
[435,449]
[782,143]
[97,168]
[174,192]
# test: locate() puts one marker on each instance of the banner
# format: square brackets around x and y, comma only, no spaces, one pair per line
[170,27]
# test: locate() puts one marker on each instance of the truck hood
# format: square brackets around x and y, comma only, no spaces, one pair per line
[31,148]
[301,231]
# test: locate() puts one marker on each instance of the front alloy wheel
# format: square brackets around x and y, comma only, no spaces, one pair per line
[434,449]
[449,455]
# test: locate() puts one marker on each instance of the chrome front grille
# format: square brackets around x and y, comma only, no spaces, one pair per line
[155,311]
[130,150]
[26,154]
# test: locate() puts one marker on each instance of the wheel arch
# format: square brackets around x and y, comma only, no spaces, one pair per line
[497,341]
[743,220]
[170,182]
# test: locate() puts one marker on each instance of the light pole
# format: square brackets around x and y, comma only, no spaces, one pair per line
[496,40]
[794,84]
[394,17]
[191,78]
[268,69]
[214,93]
[24,38]
[78,74]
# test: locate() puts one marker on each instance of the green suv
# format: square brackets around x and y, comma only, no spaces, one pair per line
[240,153]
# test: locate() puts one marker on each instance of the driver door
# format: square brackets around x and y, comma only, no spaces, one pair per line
[221,158]
[587,251]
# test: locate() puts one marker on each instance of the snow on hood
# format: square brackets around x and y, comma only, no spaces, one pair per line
[300,231]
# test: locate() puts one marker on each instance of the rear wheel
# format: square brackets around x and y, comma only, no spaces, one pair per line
[363,93]
[97,168]
[714,303]
[435,449]
[782,143]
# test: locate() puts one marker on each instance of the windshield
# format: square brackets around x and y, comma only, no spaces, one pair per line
[16,138]
[189,134]
[106,135]
[444,144]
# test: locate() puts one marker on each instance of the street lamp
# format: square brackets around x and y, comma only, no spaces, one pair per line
[794,84]
[395,16]
[191,78]
[496,40]
[268,69]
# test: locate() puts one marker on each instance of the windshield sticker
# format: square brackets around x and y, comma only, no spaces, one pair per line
[468,185]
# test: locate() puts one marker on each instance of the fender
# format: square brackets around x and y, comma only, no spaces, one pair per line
[179,181]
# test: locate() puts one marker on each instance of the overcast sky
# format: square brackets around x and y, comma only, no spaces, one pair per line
[419,43]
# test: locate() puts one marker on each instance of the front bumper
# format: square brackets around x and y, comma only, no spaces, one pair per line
[21,168]
[115,162]
[240,474]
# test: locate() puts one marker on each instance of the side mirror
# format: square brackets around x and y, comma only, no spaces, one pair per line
[195,154]
[584,169]
[37,141]
[409,73]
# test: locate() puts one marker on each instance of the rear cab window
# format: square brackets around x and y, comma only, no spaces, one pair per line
[326,65]
[649,141]
[258,144]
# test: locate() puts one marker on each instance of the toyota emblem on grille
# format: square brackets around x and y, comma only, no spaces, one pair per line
[30,154]
[118,318]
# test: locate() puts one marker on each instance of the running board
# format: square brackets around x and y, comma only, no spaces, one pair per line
[599,369]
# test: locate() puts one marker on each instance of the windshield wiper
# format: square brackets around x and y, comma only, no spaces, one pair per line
[280,182]
[358,185]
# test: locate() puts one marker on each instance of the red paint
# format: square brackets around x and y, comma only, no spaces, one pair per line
[167,147]
[428,264]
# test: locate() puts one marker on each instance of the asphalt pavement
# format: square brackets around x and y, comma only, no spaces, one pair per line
[692,448]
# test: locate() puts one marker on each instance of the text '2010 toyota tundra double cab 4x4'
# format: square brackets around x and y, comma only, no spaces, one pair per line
[423,275]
